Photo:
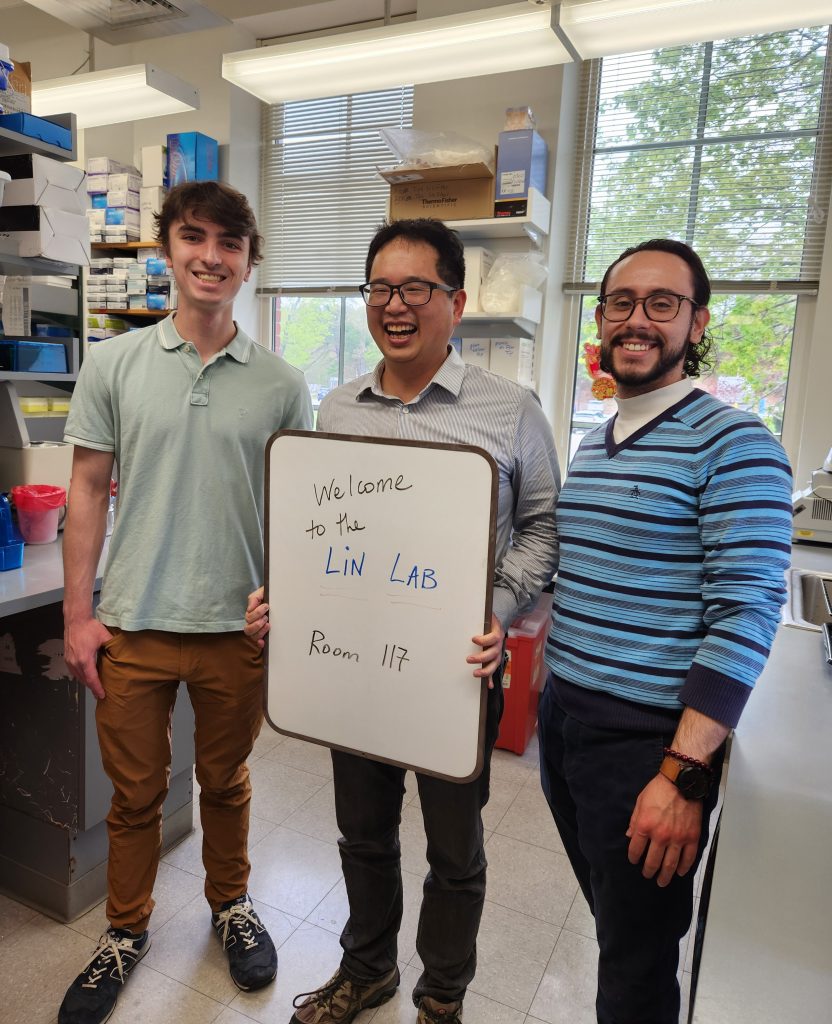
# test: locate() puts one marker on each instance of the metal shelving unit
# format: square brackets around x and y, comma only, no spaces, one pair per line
[14,143]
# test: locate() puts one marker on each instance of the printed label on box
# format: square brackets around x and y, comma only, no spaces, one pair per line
[512,182]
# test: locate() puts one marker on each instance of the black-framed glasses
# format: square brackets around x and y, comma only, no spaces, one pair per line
[412,293]
[659,307]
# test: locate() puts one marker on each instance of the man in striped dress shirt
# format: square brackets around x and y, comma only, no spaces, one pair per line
[674,526]
[422,391]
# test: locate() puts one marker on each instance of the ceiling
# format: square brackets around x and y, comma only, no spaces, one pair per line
[269,18]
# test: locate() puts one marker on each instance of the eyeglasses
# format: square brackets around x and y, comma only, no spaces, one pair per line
[413,293]
[660,307]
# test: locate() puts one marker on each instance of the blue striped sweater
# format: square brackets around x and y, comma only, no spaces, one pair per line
[673,547]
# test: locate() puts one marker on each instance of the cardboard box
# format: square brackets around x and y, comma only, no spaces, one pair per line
[192,156]
[116,216]
[17,97]
[478,262]
[477,351]
[122,198]
[97,183]
[154,166]
[96,218]
[120,235]
[448,193]
[40,181]
[124,182]
[51,234]
[522,163]
[104,165]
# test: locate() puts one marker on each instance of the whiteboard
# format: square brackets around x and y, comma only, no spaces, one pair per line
[379,568]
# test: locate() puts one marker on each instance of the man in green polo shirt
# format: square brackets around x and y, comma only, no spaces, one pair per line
[185,408]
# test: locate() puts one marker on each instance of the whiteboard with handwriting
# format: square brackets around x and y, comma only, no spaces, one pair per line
[379,567]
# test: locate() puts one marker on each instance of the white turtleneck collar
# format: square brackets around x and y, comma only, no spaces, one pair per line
[634,413]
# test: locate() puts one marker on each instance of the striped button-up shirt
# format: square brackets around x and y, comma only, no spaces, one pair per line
[465,404]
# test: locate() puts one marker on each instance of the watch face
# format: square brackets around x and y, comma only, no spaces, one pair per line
[692,782]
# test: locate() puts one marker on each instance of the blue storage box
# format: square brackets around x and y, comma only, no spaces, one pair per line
[522,163]
[11,544]
[52,331]
[192,156]
[32,356]
[38,128]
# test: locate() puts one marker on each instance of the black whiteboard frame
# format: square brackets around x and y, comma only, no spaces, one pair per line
[492,544]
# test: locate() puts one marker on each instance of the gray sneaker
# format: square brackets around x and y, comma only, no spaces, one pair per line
[343,998]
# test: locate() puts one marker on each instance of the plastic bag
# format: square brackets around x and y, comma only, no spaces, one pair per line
[38,497]
[510,271]
[434,149]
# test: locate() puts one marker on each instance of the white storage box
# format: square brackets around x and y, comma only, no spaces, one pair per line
[40,181]
[154,166]
[478,262]
[477,351]
[123,182]
[512,358]
[38,231]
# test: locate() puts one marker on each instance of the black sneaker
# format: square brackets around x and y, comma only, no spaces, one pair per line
[91,998]
[252,958]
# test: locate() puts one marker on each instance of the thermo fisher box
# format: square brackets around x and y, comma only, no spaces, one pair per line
[524,675]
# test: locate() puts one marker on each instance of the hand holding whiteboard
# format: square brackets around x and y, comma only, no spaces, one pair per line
[379,568]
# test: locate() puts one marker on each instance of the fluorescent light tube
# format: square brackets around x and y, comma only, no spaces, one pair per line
[509,38]
[114,95]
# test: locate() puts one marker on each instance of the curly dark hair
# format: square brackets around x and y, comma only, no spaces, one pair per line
[450,252]
[700,354]
[214,201]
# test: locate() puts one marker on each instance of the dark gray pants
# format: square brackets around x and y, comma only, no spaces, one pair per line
[368,803]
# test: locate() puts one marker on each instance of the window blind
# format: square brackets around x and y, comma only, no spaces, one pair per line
[322,198]
[725,145]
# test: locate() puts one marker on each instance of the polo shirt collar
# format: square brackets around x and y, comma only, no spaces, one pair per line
[449,376]
[239,348]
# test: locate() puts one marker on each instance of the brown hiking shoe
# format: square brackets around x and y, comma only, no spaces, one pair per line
[343,998]
[432,1012]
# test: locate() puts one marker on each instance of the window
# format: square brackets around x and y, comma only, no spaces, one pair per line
[322,200]
[725,145]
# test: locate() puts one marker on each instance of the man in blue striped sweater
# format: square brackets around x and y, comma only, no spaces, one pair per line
[674,525]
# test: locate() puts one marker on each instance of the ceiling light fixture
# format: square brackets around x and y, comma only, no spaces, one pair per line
[509,38]
[114,95]
[601,28]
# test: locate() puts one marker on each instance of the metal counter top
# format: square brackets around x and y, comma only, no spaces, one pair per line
[767,954]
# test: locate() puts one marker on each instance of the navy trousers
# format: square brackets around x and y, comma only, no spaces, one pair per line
[368,803]
[591,778]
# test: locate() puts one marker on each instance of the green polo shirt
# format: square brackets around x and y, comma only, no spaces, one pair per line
[189,439]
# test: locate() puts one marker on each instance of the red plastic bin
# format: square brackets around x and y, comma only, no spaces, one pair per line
[524,675]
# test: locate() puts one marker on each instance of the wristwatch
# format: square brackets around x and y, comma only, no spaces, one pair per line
[692,781]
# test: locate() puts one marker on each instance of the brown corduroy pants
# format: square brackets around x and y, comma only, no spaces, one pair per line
[140,673]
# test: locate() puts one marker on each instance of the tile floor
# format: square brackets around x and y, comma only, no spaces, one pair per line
[536,947]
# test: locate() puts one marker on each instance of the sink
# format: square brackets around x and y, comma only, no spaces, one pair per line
[808,601]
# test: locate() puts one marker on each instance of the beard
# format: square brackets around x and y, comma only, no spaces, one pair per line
[669,359]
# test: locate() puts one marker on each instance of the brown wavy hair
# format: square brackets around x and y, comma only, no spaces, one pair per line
[214,201]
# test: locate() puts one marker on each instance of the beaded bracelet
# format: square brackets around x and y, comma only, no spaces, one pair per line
[687,759]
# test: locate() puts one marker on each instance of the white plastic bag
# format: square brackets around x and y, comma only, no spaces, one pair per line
[510,271]
[434,149]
